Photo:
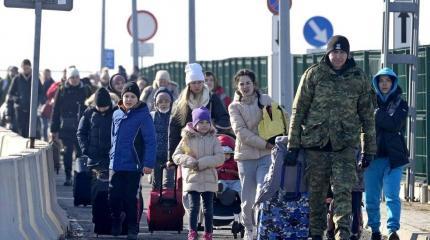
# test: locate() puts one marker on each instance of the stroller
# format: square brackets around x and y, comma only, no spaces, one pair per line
[226,205]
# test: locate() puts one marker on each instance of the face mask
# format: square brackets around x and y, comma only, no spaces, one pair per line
[164,111]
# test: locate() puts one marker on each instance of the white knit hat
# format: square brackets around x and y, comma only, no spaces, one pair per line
[72,72]
[193,73]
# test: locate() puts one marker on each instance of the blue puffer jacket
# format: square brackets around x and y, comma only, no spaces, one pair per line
[390,121]
[133,139]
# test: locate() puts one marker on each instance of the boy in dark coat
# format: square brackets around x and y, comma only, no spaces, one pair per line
[93,131]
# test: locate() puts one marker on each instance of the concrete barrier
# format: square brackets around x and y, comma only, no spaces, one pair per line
[28,191]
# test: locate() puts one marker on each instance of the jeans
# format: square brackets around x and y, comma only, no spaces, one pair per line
[194,201]
[380,177]
[251,174]
[44,123]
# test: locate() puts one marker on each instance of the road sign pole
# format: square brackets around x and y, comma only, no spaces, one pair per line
[135,34]
[102,50]
[286,85]
[191,31]
[35,75]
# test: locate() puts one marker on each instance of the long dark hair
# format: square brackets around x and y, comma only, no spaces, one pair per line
[251,75]
[216,82]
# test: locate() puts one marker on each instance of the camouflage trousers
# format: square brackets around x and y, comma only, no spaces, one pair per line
[337,168]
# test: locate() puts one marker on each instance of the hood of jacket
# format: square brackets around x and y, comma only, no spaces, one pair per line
[164,90]
[110,86]
[189,132]
[375,83]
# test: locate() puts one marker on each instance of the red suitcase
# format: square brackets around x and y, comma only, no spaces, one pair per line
[165,210]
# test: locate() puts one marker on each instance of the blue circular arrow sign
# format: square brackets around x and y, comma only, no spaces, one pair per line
[317,31]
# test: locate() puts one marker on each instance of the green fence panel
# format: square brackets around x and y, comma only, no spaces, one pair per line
[369,61]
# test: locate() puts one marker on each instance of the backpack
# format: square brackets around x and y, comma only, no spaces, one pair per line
[273,123]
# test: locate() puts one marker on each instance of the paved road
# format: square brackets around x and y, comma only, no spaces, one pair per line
[82,227]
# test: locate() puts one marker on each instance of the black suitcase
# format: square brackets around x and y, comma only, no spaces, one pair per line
[102,218]
[81,183]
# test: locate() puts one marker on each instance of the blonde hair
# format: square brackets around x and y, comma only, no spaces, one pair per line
[181,107]
[161,74]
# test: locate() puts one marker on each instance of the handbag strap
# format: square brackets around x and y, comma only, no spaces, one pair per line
[298,178]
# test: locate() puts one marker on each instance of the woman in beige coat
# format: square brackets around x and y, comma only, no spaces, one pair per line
[198,154]
[252,152]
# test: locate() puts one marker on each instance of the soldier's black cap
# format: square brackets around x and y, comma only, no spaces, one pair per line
[338,42]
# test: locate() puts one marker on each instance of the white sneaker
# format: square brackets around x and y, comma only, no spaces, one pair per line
[249,235]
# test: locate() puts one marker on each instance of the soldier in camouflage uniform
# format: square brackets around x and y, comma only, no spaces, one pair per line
[332,109]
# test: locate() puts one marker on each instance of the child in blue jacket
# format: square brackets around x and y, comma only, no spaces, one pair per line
[132,154]
[384,173]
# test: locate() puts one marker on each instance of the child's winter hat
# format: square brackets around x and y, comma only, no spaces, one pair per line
[200,114]
[227,143]
[72,72]
[102,98]
[194,73]
[163,93]
[338,42]
[131,87]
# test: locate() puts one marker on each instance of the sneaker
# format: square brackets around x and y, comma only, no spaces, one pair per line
[249,235]
[117,224]
[68,182]
[132,236]
[393,236]
[192,235]
[376,236]
[353,237]
[207,236]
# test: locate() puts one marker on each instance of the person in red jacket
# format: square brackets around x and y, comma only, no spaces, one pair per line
[228,174]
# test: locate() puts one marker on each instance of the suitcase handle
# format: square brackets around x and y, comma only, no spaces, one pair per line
[175,187]
[298,179]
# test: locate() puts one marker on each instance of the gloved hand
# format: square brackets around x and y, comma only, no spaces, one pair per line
[291,157]
[365,160]
[170,165]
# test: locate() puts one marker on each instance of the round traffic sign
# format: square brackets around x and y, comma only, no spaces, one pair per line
[317,31]
[273,6]
[146,25]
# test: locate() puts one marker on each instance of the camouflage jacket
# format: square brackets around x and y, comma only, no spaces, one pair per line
[333,107]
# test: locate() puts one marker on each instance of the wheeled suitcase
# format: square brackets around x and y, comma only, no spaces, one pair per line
[102,217]
[81,183]
[165,210]
[283,202]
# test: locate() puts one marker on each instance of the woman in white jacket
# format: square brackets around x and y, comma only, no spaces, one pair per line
[252,152]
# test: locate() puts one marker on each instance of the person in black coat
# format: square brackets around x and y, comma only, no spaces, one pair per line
[384,173]
[94,131]
[19,99]
[68,108]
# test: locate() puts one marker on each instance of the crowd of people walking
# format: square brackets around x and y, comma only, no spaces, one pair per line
[349,129]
